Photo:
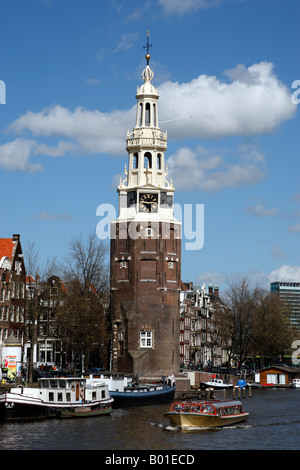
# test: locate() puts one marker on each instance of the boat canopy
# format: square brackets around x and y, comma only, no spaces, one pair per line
[227,404]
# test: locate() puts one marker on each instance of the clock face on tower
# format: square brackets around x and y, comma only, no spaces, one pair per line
[148,202]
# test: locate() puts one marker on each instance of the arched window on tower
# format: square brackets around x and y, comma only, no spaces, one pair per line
[141,114]
[159,161]
[135,161]
[147,160]
[154,115]
[147,115]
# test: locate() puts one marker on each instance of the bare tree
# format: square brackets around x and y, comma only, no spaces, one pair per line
[36,298]
[240,300]
[82,317]
[271,333]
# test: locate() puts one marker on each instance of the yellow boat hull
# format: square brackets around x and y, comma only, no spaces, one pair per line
[189,420]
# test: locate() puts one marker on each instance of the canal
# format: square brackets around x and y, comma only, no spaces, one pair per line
[274,424]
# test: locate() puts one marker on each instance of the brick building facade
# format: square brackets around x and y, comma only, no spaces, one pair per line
[12,289]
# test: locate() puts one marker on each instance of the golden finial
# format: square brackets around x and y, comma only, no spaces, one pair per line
[147,56]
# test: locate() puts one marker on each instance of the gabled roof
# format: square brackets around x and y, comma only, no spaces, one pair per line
[293,370]
[6,247]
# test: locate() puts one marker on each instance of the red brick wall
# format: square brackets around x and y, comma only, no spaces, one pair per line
[143,298]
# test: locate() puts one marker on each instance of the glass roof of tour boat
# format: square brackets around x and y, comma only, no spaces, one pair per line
[226,404]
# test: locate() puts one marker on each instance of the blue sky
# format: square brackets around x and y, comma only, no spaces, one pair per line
[71,69]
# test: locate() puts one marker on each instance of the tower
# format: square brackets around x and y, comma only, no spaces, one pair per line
[145,250]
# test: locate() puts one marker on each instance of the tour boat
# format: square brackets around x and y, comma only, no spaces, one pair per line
[125,392]
[56,397]
[296,383]
[216,384]
[206,414]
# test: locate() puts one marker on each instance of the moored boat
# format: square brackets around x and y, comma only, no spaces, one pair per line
[296,383]
[216,384]
[56,398]
[125,392]
[206,414]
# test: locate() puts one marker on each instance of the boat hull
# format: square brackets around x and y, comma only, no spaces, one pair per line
[205,386]
[86,411]
[17,410]
[136,397]
[14,408]
[190,420]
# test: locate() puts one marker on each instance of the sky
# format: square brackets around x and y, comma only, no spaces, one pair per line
[228,78]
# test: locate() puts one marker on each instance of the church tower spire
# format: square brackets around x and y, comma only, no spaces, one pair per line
[146,146]
[146,249]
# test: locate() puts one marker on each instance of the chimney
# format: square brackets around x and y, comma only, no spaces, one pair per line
[16,237]
[210,289]
[216,291]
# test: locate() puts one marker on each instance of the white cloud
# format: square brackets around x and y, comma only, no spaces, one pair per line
[254,102]
[15,156]
[285,273]
[260,211]
[211,172]
[256,278]
[278,252]
[92,131]
[179,7]
[61,149]
[294,228]
[249,106]
[50,217]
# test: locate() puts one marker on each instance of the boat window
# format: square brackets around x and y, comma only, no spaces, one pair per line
[51,396]
[103,394]
[53,384]
[44,383]
[94,395]
[68,396]
[59,396]
[62,384]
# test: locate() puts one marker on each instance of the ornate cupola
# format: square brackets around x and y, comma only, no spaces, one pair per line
[146,146]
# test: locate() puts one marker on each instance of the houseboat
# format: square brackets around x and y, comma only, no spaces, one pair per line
[126,391]
[206,414]
[56,398]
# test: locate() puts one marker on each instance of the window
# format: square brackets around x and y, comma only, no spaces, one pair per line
[159,161]
[146,339]
[147,115]
[170,265]
[154,115]
[147,160]
[135,161]
[123,264]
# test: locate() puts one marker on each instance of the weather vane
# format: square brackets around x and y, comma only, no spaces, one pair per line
[147,47]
